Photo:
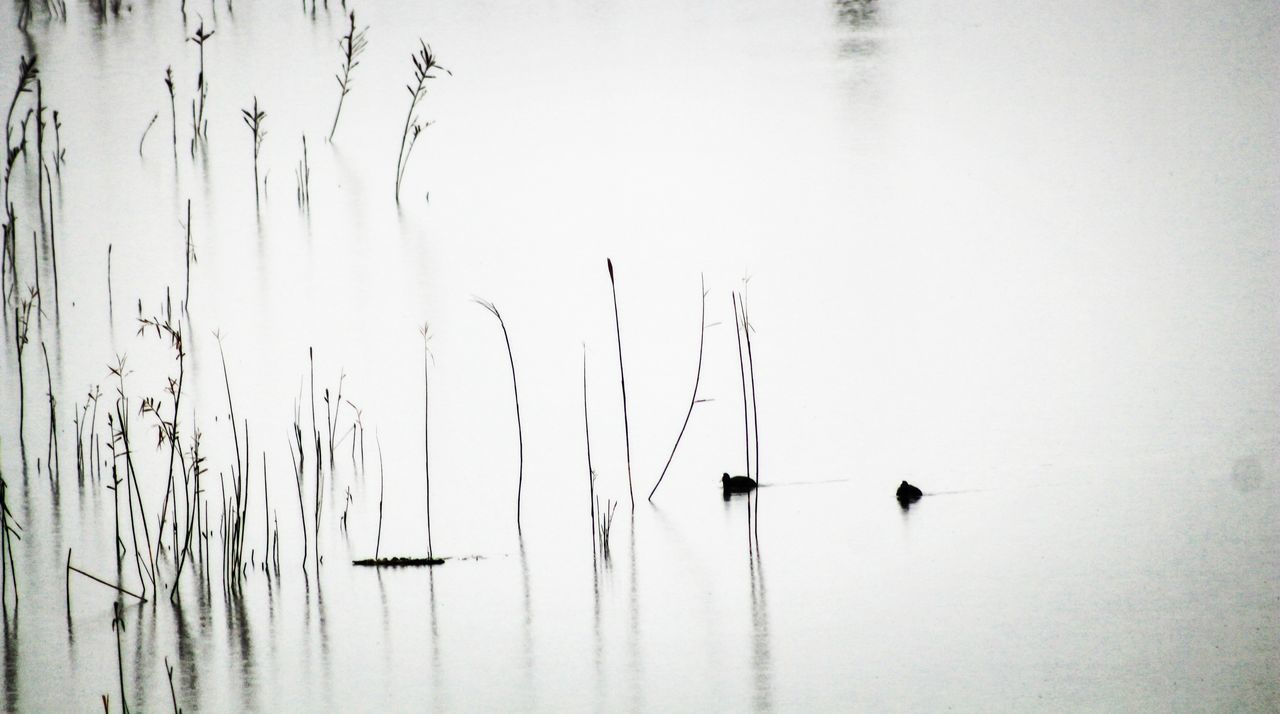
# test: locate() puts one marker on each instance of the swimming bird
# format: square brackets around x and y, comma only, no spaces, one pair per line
[737,484]
[908,494]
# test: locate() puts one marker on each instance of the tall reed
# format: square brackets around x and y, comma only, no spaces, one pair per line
[591,472]
[199,126]
[27,74]
[424,63]
[299,475]
[426,426]
[516,391]
[382,486]
[302,178]
[742,371]
[747,329]
[253,119]
[626,424]
[21,327]
[173,113]
[53,459]
[352,45]
[693,401]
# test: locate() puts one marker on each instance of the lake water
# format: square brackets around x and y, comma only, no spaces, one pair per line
[1023,257]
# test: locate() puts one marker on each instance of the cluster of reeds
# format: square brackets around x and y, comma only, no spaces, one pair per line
[185,523]
[235,511]
[302,178]
[9,529]
[121,451]
[424,63]
[15,147]
[21,330]
[352,45]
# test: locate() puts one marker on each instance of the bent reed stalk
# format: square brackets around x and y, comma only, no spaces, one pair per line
[693,401]
[516,391]
[626,425]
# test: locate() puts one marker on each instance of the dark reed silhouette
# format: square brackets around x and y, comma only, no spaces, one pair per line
[426,425]
[199,126]
[352,45]
[626,425]
[516,391]
[693,401]
[424,63]
[253,119]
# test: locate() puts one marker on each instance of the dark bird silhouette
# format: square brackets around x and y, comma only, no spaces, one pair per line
[908,494]
[737,484]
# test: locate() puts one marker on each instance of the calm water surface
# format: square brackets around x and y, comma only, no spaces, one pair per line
[1024,257]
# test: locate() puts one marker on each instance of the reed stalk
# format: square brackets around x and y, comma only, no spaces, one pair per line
[747,329]
[591,472]
[746,427]
[315,433]
[352,45]
[424,63]
[199,126]
[299,471]
[426,427]
[515,390]
[73,569]
[253,119]
[173,113]
[382,485]
[146,131]
[53,459]
[302,176]
[626,425]
[693,401]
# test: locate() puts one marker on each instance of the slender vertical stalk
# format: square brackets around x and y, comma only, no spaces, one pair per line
[591,472]
[515,390]
[755,418]
[55,463]
[424,62]
[382,485]
[315,434]
[746,428]
[352,45]
[693,401]
[426,428]
[253,120]
[173,113]
[626,426]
